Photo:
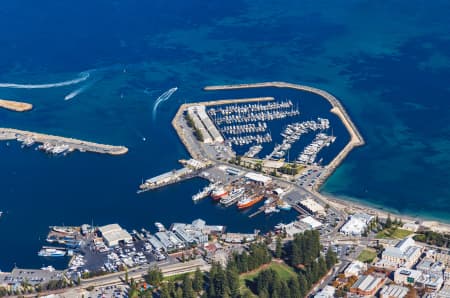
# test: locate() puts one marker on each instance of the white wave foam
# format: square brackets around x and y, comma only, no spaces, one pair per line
[76,92]
[82,77]
[163,97]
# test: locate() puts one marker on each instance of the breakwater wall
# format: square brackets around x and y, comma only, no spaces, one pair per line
[15,106]
[74,144]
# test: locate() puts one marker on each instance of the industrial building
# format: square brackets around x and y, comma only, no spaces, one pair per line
[258,178]
[393,291]
[157,245]
[312,222]
[195,233]
[312,206]
[113,234]
[204,124]
[326,292]
[356,225]
[367,285]
[295,227]
[165,178]
[165,240]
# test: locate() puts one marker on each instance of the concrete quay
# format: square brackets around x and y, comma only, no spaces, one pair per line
[15,106]
[74,144]
[355,137]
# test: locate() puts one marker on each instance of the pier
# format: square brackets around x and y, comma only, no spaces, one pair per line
[71,144]
[15,106]
[355,137]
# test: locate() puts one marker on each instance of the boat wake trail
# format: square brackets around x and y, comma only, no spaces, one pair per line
[83,76]
[76,92]
[162,98]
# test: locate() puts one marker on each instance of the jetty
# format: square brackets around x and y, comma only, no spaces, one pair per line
[356,138]
[16,106]
[53,141]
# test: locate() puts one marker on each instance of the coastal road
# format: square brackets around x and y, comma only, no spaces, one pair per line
[138,273]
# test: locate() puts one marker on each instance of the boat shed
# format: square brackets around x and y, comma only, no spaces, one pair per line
[113,234]
[258,178]
[315,224]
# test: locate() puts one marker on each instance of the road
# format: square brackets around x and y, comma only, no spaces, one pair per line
[138,273]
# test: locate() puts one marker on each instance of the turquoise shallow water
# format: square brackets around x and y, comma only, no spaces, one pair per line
[388,63]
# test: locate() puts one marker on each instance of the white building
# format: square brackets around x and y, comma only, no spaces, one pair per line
[356,225]
[258,178]
[113,234]
[355,268]
[428,266]
[404,254]
[312,222]
[410,226]
[431,281]
[204,124]
[405,276]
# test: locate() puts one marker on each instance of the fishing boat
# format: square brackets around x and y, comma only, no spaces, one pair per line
[285,206]
[271,209]
[230,199]
[51,252]
[249,201]
[218,193]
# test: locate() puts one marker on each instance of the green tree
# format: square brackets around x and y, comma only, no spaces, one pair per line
[188,291]
[303,284]
[164,291]
[278,248]
[154,276]
[330,258]
[197,284]
[322,266]
[294,287]
[388,223]
[233,281]
[284,292]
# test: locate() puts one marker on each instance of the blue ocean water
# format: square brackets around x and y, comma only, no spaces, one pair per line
[389,64]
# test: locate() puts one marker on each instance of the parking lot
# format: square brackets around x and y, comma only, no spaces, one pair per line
[309,177]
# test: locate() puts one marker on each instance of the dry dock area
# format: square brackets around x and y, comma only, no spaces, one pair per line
[16,106]
[73,144]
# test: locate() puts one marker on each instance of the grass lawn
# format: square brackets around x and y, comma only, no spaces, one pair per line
[367,256]
[176,276]
[396,233]
[284,271]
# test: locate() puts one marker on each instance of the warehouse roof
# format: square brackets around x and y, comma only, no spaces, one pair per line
[113,233]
